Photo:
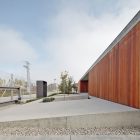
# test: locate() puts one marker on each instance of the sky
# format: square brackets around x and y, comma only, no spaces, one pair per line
[59,35]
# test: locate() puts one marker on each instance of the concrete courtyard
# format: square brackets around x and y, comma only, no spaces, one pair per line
[77,115]
[37,109]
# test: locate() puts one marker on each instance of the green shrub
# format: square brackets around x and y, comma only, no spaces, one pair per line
[48,99]
[17,101]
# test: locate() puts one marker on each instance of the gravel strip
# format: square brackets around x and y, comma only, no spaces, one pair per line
[24,131]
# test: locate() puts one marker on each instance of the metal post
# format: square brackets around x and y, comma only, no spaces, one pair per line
[19,93]
[11,84]
[28,77]
[54,85]
[64,92]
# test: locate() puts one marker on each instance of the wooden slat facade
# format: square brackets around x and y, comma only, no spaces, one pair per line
[116,77]
[83,86]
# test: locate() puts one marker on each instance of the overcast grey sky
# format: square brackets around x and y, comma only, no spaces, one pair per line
[58,35]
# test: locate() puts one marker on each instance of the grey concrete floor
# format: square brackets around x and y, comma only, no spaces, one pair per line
[37,110]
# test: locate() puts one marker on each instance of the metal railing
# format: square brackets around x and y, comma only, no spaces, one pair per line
[11,88]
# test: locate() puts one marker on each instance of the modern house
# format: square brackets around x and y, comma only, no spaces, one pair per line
[115,75]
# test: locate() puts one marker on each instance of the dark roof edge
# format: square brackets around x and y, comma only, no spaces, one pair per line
[127,28]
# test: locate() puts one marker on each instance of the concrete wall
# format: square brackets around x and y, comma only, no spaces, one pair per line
[120,119]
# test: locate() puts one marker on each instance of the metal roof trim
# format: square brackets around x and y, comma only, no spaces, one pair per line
[135,20]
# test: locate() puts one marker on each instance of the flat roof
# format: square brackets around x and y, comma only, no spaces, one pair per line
[127,28]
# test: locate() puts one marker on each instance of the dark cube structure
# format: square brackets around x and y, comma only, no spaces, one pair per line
[41,89]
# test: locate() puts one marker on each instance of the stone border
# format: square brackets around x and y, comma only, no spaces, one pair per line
[69,137]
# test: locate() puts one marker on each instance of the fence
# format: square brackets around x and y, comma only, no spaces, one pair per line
[9,87]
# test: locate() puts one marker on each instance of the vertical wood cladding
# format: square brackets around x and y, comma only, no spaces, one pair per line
[83,86]
[117,76]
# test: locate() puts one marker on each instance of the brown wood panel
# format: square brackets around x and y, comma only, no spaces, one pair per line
[83,86]
[117,76]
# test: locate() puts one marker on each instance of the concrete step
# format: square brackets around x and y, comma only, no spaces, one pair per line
[116,119]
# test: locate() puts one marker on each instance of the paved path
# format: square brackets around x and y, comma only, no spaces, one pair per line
[63,97]
[62,108]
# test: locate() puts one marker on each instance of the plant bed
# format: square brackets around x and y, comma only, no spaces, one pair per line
[19,102]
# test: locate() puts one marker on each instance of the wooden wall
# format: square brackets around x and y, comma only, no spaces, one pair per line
[117,76]
[83,86]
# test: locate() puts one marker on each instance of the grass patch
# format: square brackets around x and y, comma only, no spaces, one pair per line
[48,99]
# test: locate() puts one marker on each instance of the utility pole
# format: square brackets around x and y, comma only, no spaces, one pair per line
[12,85]
[54,85]
[27,67]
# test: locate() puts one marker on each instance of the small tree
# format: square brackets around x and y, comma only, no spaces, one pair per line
[74,86]
[66,83]
[69,85]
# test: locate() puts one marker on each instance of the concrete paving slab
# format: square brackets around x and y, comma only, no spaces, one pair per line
[61,108]
[63,97]
[71,95]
